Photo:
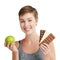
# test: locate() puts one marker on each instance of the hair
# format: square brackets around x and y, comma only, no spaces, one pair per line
[28,9]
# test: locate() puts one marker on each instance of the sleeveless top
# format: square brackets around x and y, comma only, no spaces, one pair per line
[35,56]
[25,56]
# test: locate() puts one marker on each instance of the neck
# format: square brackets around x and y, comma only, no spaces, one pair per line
[32,37]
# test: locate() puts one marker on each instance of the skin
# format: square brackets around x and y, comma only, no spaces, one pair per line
[31,41]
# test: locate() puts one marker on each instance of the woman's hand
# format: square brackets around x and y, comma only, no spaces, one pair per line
[11,47]
[45,48]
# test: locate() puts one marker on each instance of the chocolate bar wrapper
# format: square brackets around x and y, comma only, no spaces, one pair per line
[48,39]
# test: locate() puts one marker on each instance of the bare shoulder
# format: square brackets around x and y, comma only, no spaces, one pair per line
[52,48]
[52,51]
[51,45]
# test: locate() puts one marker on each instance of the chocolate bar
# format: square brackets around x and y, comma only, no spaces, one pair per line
[41,34]
[47,37]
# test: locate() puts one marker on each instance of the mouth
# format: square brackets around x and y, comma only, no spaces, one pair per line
[27,29]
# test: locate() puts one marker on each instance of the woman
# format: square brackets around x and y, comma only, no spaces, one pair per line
[28,48]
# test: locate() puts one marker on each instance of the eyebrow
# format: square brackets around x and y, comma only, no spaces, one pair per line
[21,19]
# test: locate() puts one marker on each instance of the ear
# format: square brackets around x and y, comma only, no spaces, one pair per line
[36,21]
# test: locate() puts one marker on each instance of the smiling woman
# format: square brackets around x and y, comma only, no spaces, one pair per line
[27,23]
[28,48]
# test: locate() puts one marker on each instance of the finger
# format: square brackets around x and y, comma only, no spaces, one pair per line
[8,45]
[5,44]
[11,46]
[43,46]
[44,49]
[46,45]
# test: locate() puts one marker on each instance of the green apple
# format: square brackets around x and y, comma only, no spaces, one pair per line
[9,39]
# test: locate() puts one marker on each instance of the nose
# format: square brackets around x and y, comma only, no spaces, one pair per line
[26,24]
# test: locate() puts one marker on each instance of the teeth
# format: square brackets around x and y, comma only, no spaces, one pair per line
[26,29]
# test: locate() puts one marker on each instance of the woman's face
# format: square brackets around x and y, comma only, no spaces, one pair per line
[28,23]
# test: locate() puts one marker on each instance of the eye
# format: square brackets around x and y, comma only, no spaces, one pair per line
[29,20]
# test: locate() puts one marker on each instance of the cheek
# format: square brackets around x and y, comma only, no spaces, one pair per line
[34,24]
[21,25]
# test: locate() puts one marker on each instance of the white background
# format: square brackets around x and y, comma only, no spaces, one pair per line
[49,16]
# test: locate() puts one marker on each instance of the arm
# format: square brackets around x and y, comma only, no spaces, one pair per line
[51,53]
[15,55]
[14,48]
[48,50]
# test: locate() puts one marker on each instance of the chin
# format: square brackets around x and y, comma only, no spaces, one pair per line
[28,33]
